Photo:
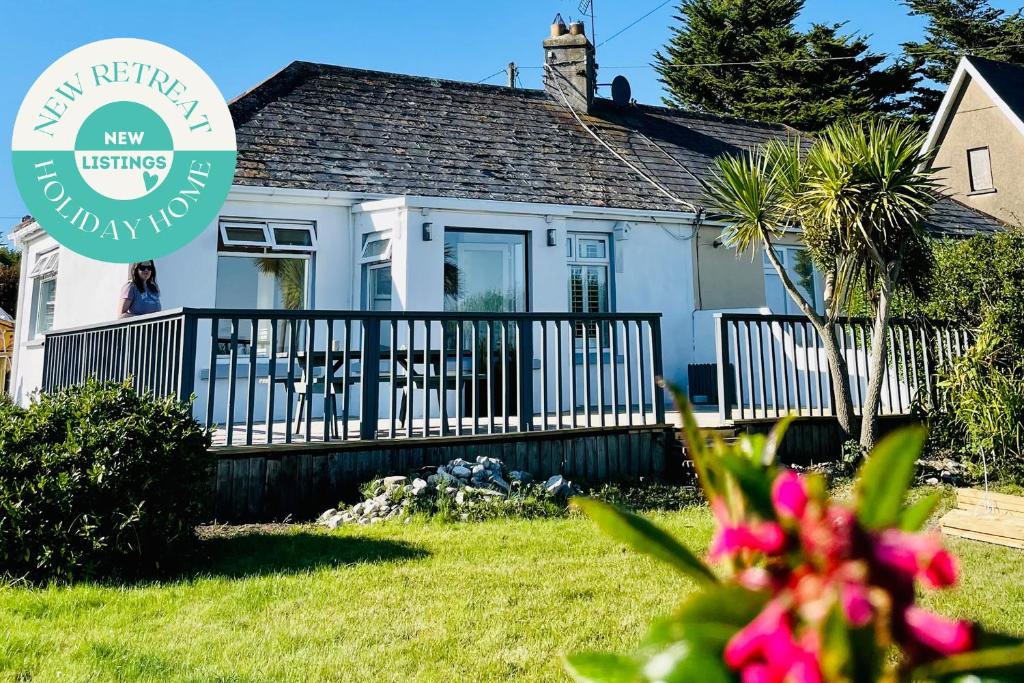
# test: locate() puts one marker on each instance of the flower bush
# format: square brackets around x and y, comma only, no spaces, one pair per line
[811,590]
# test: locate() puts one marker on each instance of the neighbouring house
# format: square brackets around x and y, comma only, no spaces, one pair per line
[978,138]
[367,191]
[6,349]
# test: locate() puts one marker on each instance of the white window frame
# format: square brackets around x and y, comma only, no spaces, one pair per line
[370,263]
[786,254]
[371,238]
[44,270]
[269,229]
[370,295]
[573,258]
[970,170]
[270,248]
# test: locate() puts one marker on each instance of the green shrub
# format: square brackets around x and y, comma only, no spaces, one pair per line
[649,496]
[98,482]
[983,395]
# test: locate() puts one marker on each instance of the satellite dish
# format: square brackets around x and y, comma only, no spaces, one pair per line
[621,92]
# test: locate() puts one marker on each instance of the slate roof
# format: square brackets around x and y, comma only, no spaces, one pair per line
[1006,79]
[323,127]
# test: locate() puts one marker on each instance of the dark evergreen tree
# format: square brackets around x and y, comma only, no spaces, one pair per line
[804,79]
[956,28]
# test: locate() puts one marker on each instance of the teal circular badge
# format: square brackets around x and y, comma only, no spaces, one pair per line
[124,150]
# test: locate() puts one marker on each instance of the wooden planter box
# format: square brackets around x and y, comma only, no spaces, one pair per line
[985,516]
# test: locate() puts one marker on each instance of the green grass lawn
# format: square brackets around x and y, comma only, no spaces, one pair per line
[436,602]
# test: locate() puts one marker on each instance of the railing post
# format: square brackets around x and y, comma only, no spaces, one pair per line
[657,370]
[722,359]
[369,376]
[187,364]
[48,355]
[524,330]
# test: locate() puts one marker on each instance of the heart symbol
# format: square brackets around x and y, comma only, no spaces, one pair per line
[150,180]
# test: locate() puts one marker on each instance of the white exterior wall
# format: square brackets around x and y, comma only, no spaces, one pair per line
[651,268]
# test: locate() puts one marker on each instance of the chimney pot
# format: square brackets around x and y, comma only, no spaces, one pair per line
[576,28]
[558,26]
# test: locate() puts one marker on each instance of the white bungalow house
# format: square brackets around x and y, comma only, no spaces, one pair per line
[361,191]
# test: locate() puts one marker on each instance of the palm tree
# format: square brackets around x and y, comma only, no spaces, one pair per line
[867,194]
[860,194]
[758,194]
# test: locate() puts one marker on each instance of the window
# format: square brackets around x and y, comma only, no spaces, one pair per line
[484,271]
[376,260]
[980,167]
[262,265]
[588,277]
[798,265]
[281,236]
[44,291]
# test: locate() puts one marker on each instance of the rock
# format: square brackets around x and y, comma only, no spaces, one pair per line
[450,490]
[460,497]
[326,515]
[501,482]
[394,481]
[554,483]
[461,471]
[432,479]
[459,462]
[932,481]
[418,483]
[491,493]
[521,477]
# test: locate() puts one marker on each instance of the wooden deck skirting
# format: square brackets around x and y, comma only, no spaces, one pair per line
[301,480]
[817,439]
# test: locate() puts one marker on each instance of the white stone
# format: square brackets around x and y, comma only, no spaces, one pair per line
[394,481]
[418,483]
[461,471]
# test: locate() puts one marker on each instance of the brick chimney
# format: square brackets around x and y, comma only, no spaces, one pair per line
[569,65]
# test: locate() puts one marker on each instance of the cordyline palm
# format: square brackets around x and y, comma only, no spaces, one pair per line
[860,195]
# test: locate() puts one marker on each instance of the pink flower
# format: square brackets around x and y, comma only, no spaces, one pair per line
[856,604]
[939,635]
[749,643]
[789,495]
[917,555]
[764,537]
[830,536]
[766,652]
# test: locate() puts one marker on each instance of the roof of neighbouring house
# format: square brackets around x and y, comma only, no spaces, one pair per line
[5,316]
[1006,79]
[322,127]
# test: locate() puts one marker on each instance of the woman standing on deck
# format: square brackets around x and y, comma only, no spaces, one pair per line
[140,295]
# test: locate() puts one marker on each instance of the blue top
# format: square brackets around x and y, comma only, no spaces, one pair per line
[140,303]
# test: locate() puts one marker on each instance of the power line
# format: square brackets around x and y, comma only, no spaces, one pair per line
[632,24]
[654,183]
[502,70]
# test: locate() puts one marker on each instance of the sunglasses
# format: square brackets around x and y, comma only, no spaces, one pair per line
[144,268]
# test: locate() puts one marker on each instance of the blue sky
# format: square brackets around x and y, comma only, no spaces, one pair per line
[241,43]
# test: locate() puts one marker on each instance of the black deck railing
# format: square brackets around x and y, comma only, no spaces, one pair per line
[269,376]
[773,365]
